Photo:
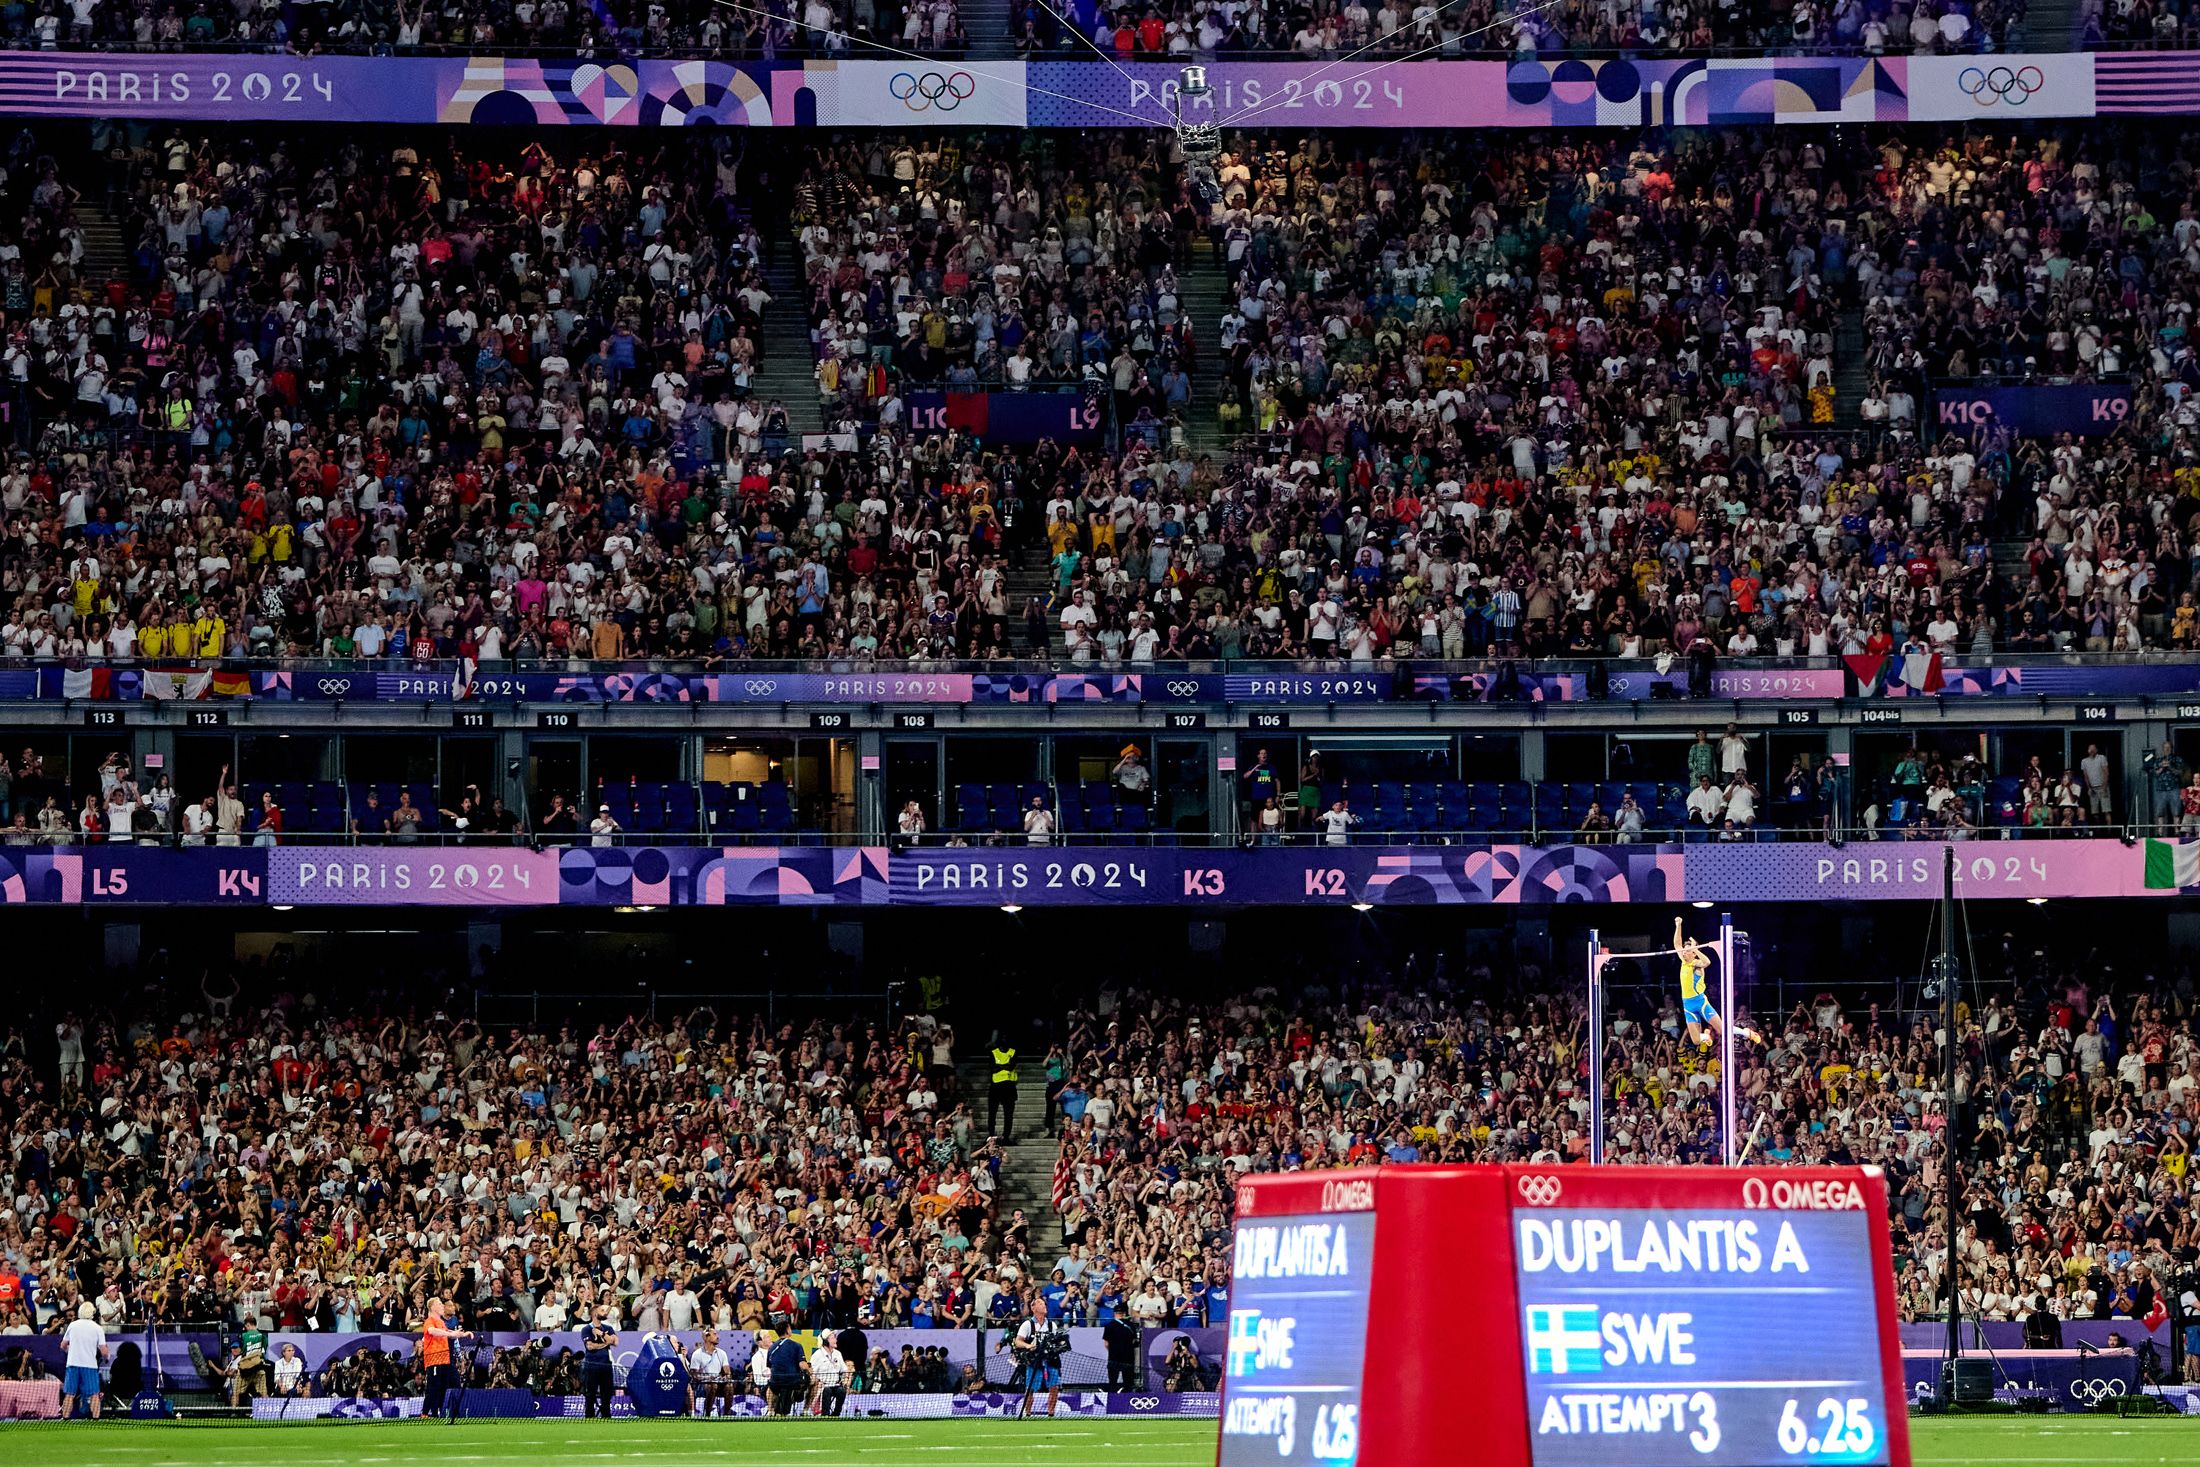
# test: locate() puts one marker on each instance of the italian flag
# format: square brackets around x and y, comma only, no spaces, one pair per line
[2172,864]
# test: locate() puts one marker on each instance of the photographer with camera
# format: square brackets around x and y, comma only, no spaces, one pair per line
[1039,1346]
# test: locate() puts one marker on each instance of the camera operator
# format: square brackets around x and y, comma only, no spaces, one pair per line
[1039,1347]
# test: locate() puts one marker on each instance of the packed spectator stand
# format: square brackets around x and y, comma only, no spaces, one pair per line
[504,406]
[2075,1133]
[246,1152]
[259,1152]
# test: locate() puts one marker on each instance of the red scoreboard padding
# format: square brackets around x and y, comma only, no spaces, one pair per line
[1564,1316]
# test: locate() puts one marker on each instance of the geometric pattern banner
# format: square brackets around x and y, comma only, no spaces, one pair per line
[1532,91]
[856,877]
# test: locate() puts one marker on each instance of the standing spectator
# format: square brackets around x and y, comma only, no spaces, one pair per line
[86,1344]
[1733,753]
[1039,822]
[1336,823]
[603,830]
[1703,760]
[271,820]
[2100,807]
[2166,779]
[1000,1100]
[228,812]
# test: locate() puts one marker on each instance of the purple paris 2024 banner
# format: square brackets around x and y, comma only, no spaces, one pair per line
[1524,92]
[483,875]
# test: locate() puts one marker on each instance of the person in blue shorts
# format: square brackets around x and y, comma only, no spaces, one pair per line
[1040,1345]
[86,1344]
[1704,1022]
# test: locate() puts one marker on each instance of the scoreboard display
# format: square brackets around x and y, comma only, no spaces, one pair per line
[1565,1317]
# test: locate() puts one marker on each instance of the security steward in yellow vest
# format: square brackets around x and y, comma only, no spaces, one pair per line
[1000,1105]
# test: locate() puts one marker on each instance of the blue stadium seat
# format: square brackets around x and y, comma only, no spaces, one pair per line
[681,809]
[1133,819]
[1550,804]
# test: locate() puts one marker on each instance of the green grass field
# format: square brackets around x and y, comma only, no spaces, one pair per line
[2050,1441]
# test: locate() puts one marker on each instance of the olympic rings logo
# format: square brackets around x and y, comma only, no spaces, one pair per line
[331,687]
[1183,689]
[1989,86]
[759,687]
[2093,1392]
[921,92]
[1540,1191]
[1145,1403]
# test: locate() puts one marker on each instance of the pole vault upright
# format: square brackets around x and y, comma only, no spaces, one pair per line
[1596,1050]
[1729,1143]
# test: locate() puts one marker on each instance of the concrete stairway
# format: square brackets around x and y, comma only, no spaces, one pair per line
[1852,379]
[986,23]
[788,371]
[1207,296]
[2050,25]
[106,252]
[1027,1177]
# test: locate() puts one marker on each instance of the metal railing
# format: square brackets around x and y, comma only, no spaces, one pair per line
[1772,826]
[1254,667]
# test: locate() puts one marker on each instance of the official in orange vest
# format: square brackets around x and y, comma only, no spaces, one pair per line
[446,1386]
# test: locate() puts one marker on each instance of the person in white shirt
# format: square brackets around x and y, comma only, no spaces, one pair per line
[710,1376]
[1741,801]
[1039,823]
[1336,824]
[86,1344]
[1705,804]
[760,1366]
[828,1378]
[290,1372]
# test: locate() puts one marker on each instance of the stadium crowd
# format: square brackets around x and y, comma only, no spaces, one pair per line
[251,1157]
[2074,1115]
[1578,398]
[257,1154]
